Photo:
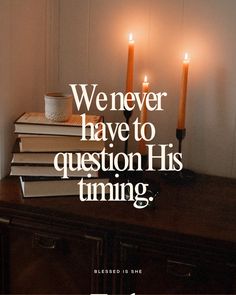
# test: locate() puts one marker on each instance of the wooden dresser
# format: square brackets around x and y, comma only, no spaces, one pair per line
[186,244]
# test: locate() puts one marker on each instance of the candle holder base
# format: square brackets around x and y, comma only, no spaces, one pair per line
[183,176]
[153,189]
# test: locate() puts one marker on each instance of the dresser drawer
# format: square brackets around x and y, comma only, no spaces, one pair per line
[154,268]
[44,261]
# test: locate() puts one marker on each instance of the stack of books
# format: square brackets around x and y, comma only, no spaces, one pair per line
[39,140]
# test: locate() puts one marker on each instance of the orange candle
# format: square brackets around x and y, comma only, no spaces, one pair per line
[130,68]
[183,93]
[143,116]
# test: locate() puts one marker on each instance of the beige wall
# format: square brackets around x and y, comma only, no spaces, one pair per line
[22,66]
[50,43]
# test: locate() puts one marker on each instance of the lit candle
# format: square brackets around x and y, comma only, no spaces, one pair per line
[183,93]
[130,68]
[143,116]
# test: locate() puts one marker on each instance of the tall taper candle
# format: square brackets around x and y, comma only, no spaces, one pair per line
[130,67]
[183,93]
[143,116]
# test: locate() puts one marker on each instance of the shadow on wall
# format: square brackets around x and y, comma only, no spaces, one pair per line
[7,143]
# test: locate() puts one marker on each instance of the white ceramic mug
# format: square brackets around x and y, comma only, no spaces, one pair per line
[58,106]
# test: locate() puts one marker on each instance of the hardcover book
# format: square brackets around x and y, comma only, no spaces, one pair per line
[33,187]
[47,170]
[37,123]
[42,143]
[19,157]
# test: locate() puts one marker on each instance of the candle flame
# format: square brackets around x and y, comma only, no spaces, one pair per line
[131,37]
[145,79]
[186,57]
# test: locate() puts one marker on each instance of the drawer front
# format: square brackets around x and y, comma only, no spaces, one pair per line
[48,262]
[152,269]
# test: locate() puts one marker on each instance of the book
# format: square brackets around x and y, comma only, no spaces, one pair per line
[47,170]
[19,157]
[45,187]
[47,143]
[36,158]
[37,123]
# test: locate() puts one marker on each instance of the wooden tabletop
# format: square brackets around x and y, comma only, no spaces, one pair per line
[205,207]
